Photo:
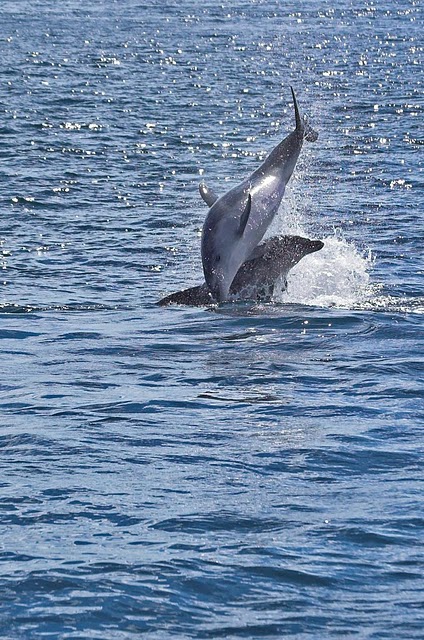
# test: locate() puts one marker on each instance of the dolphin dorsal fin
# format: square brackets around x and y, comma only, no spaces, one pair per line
[245,215]
[208,195]
[296,111]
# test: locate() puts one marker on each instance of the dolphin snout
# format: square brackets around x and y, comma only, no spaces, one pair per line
[220,289]
[317,245]
[216,281]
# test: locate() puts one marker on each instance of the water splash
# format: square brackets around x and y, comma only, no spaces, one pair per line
[395,304]
[338,275]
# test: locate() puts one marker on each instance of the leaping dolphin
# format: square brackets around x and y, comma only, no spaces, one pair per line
[256,277]
[237,221]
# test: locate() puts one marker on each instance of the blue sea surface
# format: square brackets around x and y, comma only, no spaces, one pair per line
[238,471]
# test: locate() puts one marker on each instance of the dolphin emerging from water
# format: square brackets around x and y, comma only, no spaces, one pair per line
[237,221]
[256,278]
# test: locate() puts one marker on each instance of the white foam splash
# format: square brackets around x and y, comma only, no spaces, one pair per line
[338,275]
[403,304]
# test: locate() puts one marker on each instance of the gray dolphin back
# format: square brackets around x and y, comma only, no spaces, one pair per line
[194,296]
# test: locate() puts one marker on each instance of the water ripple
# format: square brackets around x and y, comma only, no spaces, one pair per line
[246,470]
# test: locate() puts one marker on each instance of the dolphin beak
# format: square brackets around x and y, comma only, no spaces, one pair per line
[318,245]
[221,291]
[217,286]
[315,245]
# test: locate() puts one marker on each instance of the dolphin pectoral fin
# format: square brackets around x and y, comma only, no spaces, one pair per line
[245,215]
[208,195]
[195,296]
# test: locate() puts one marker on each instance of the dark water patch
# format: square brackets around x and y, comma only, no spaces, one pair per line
[14,557]
[10,334]
[219,522]
[271,629]
[93,385]
[244,398]
[22,439]
[80,335]
[369,538]
[286,575]
[339,463]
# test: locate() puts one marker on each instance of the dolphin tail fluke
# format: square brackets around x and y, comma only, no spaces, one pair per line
[299,123]
[302,124]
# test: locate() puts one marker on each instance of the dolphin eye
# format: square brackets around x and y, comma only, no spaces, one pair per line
[218,258]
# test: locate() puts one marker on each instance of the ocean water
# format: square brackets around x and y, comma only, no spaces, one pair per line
[243,471]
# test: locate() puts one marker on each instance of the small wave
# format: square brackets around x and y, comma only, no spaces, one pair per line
[29,308]
[240,398]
